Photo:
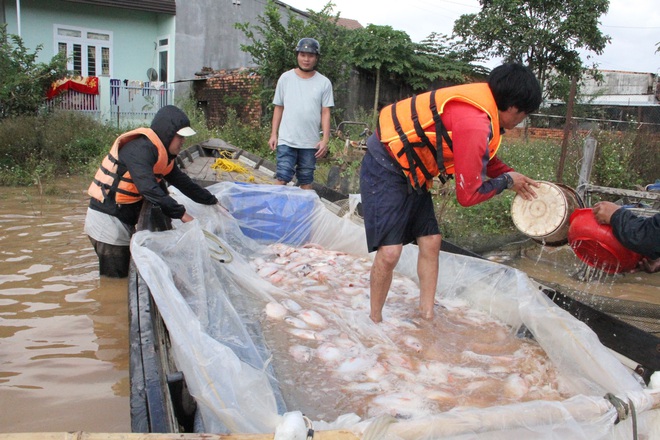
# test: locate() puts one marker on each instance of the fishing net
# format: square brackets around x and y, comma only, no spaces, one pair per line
[214,313]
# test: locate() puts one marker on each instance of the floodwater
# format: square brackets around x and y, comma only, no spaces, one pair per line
[63,330]
[559,265]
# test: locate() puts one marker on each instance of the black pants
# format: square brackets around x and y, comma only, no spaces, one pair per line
[113,260]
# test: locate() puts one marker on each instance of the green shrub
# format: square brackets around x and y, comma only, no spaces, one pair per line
[24,81]
[614,165]
[40,148]
[34,149]
[246,136]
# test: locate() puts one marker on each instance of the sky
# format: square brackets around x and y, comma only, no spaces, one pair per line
[633,25]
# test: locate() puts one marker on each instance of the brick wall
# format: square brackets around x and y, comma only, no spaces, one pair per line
[225,89]
[540,133]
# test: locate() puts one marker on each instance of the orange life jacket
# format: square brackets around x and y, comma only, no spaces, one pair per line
[107,180]
[404,129]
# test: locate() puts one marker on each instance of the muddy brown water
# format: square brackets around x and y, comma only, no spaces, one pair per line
[64,331]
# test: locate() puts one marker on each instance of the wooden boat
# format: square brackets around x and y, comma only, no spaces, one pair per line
[160,401]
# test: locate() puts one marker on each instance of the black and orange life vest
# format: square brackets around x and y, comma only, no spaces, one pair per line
[107,181]
[404,128]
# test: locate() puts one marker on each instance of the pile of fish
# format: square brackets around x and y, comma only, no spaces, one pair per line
[331,359]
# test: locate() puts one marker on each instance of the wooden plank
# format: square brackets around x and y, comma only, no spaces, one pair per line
[139,413]
[642,195]
[160,417]
[80,435]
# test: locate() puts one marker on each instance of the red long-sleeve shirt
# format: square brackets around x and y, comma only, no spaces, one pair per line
[470,130]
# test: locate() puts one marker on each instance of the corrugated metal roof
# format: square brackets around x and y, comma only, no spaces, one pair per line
[622,100]
[161,6]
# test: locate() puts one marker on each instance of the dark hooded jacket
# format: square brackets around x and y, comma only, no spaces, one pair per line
[637,233]
[139,157]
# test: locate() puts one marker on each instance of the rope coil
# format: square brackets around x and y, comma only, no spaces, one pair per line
[226,164]
[218,250]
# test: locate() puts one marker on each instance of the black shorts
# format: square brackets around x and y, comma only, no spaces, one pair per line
[393,212]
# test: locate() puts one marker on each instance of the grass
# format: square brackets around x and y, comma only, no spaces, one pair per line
[37,150]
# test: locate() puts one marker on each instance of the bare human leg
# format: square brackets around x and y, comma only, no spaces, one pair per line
[427,271]
[381,278]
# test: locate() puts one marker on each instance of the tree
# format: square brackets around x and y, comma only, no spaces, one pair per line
[382,49]
[452,60]
[23,81]
[545,35]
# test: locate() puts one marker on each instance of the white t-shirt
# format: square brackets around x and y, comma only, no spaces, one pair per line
[302,99]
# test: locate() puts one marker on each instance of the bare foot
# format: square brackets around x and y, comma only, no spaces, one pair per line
[376,319]
[650,266]
[426,314]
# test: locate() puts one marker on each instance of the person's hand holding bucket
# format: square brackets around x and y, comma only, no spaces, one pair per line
[523,185]
[591,238]
[603,211]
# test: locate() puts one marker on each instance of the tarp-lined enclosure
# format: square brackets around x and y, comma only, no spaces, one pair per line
[212,311]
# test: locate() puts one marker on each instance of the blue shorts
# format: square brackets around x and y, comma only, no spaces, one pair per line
[300,162]
[393,212]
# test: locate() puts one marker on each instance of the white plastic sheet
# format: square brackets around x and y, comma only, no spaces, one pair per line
[211,309]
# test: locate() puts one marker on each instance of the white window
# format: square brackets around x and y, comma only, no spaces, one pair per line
[89,51]
[163,58]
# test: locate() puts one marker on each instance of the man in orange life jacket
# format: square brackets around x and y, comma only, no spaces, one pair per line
[137,167]
[448,132]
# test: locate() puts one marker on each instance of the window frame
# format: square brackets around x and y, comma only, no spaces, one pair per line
[166,49]
[85,43]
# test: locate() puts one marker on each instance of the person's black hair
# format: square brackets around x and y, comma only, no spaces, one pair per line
[515,85]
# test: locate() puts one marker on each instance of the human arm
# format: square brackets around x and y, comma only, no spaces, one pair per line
[192,190]
[603,211]
[277,119]
[322,146]
[637,233]
[139,157]
[522,185]
[479,177]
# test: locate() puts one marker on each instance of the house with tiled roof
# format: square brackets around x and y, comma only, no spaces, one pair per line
[103,38]
[145,40]
[138,42]
[349,23]
[134,42]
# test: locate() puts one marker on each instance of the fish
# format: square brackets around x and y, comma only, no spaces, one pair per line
[328,352]
[402,405]
[291,305]
[356,364]
[313,318]
[376,373]
[305,334]
[404,367]
[515,386]
[413,342]
[296,322]
[276,310]
[267,270]
[301,353]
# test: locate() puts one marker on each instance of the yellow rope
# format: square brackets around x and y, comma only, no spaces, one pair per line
[225,163]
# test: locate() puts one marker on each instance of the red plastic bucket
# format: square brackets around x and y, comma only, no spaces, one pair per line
[596,245]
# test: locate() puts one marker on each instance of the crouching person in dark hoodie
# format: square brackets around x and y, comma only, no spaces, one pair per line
[137,167]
